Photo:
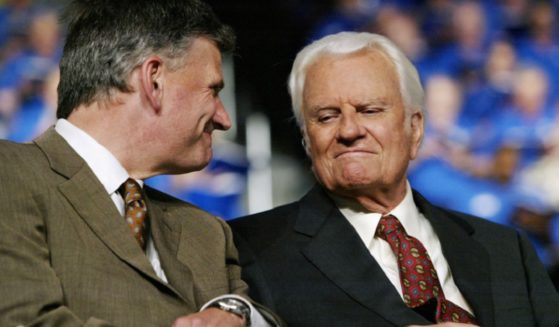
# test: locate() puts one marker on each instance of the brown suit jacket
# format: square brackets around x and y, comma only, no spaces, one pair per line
[67,257]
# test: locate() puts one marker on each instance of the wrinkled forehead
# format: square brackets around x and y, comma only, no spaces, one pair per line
[372,51]
[359,72]
[327,61]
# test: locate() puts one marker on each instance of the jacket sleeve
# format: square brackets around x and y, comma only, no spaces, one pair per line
[238,286]
[543,295]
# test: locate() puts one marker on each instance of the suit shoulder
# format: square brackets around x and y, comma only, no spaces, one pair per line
[264,218]
[181,208]
[466,221]
[20,159]
[267,224]
[161,198]
[480,225]
[12,151]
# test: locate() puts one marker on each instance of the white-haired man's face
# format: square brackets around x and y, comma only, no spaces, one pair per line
[356,129]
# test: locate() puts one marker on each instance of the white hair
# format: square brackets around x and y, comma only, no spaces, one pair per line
[347,43]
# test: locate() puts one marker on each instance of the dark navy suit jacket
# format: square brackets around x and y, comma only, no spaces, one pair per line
[307,263]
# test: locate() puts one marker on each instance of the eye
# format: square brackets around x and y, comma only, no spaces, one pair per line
[325,116]
[369,110]
[216,88]
[215,91]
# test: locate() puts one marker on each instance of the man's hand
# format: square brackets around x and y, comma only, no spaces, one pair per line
[446,324]
[208,318]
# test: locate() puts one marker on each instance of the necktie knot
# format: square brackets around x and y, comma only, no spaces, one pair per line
[131,192]
[135,212]
[387,225]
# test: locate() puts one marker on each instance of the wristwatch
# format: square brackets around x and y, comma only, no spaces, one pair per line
[234,306]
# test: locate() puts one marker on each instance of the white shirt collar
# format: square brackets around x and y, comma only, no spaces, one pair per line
[102,162]
[407,212]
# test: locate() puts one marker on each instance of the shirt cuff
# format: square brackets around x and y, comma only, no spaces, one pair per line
[256,318]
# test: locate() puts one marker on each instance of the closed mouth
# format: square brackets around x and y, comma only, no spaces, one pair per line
[354,153]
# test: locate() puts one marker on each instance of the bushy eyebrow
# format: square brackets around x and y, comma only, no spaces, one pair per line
[218,86]
[319,108]
[380,102]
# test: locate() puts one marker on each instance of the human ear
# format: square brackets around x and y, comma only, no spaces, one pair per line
[151,81]
[305,142]
[417,130]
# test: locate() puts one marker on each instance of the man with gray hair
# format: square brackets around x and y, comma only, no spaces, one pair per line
[83,242]
[361,247]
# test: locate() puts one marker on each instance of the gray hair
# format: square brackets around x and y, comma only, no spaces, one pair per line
[350,42]
[107,39]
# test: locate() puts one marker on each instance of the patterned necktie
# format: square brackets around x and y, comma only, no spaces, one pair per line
[135,210]
[418,276]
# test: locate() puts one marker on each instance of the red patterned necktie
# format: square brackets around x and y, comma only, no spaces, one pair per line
[135,210]
[418,276]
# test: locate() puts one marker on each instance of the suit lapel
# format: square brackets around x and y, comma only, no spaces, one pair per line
[87,196]
[185,249]
[98,211]
[468,260]
[166,231]
[335,248]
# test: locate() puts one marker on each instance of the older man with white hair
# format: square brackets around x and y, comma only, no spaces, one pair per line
[361,247]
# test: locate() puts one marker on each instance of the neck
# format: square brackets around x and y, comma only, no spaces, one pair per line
[110,126]
[379,200]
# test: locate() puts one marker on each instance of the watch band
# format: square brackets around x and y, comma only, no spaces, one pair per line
[234,306]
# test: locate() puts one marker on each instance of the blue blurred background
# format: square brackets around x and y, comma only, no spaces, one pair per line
[490,71]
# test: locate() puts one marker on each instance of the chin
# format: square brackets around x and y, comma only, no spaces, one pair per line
[199,161]
[347,185]
[356,176]
[355,185]
[186,167]
[198,166]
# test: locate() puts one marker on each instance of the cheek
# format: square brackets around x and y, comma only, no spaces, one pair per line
[322,164]
[319,139]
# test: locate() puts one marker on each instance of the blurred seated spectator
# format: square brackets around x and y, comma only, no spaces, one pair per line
[529,120]
[15,16]
[404,31]
[39,56]
[542,176]
[464,182]
[436,21]
[484,101]
[444,137]
[347,15]
[464,57]
[37,109]
[31,77]
[540,47]
[449,187]
[513,17]
[536,217]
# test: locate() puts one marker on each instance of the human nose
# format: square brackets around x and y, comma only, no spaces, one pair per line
[350,128]
[221,118]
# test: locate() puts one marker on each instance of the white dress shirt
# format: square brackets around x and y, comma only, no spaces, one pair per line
[416,225]
[111,174]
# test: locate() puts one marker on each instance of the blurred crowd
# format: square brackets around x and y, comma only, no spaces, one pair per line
[30,48]
[491,76]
